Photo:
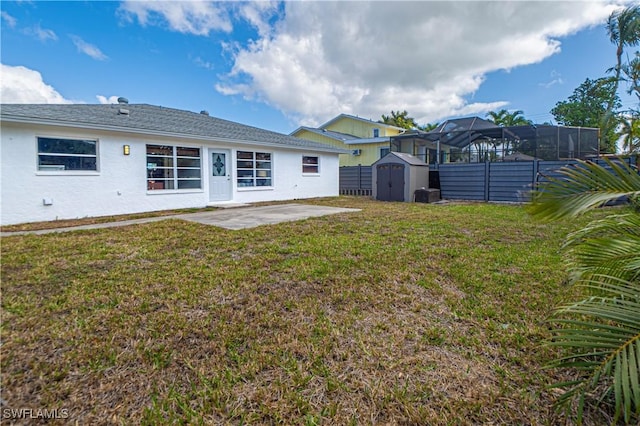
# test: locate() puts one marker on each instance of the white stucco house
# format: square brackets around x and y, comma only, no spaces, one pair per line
[73,161]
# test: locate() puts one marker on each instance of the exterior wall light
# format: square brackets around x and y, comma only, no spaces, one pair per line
[126,150]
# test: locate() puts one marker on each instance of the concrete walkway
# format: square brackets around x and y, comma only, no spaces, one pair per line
[236,218]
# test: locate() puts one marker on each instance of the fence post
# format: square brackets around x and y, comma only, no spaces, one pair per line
[487,176]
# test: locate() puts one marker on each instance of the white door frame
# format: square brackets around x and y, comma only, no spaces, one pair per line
[220,184]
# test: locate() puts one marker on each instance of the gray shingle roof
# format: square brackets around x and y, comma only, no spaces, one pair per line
[407,158]
[143,118]
[353,117]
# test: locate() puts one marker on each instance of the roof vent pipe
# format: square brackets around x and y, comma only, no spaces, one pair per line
[122,100]
[204,112]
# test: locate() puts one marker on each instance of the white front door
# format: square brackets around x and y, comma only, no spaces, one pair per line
[219,175]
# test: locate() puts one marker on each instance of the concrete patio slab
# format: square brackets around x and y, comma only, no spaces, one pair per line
[235,218]
[250,217]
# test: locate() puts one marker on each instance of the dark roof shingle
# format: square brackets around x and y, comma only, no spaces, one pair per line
[150,118]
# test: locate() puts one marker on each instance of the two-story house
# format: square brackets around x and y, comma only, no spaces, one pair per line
[367,140]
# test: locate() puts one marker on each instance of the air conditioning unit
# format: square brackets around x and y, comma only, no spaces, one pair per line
[357,152]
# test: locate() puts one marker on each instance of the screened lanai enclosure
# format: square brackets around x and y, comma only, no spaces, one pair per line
[473,140]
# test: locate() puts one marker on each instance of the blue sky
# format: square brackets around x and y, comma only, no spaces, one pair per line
[281,65]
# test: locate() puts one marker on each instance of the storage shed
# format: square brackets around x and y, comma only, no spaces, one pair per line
[397,176]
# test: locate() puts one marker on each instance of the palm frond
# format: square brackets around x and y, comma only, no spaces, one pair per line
[584,186]
[602,335]
[609,247]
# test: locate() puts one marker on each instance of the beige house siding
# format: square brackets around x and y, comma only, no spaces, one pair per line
[361,128]
[369,153]
[356,128]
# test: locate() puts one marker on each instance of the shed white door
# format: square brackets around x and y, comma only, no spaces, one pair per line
[219,175]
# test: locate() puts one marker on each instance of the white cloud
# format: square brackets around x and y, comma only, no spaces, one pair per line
[556,78]
[21,85]
[109,100]
[259,14]
[88,49]
[8,19]
[40,33]
[323,58]
[202,63]
[190,17]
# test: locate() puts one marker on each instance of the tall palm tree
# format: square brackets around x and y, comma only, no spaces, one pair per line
[623,27]
[601,333]
[632,74]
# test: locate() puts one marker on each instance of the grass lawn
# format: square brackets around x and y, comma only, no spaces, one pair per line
[399,314]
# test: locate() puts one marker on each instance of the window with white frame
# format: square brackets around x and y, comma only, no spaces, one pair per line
[253,169]
[58,154]
[310,164]
[376,133]
[173,167]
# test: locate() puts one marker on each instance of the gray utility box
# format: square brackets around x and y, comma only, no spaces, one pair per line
[426,195]
[397,176]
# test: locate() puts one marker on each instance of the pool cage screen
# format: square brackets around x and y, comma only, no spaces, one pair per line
[476,140]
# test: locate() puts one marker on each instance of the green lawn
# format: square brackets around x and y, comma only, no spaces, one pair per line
[399,314]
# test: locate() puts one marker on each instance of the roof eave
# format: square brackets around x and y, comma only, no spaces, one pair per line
[74,124]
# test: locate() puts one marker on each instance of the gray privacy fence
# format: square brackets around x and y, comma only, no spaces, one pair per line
[355,180]
[489,181]
[497,181]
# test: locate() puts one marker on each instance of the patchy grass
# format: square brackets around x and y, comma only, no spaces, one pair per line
[64,223]
[398,314]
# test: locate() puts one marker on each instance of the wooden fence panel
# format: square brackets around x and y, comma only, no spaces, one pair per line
[462,181]
[355,180]
[510,181]
[499,181]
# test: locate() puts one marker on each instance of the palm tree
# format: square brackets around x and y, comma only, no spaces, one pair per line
[497,117]
[632,72]
[399,119]
[504,118]
[623,27]
[630,133]
[429,126]
[601,333]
